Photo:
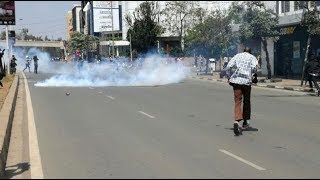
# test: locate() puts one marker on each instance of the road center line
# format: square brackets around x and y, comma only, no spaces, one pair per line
[242,160]
[34,152]
[146,114]
[111,97]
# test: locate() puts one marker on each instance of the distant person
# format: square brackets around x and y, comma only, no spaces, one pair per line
[35,62]
[313,71]
[1,55]
[2,74]
[28,62]
[13,64]
[240,71]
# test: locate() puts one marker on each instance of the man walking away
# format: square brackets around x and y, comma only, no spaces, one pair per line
[240,71]
[313,70]
[35,61]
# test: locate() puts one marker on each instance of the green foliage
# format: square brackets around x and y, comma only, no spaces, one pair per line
[256,21]
[311,19]
[143,27]
[82,42]
[212,37]
[180,16]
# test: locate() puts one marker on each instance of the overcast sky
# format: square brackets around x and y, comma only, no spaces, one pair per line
[43,17]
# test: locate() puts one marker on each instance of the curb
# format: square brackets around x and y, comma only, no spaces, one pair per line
[259,85]
[6,118]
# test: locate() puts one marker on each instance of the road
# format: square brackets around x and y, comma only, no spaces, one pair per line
[181,130]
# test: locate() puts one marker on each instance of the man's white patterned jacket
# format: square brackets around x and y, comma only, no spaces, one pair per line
[241,68]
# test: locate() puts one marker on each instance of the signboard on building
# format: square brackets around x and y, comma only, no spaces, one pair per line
[105,4]
[287,30]
[105,16]
[7,13]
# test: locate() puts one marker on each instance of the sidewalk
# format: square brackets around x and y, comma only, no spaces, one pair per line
[278,83]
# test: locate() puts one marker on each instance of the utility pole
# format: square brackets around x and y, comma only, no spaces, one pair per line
[8,49]
[112,31]
[130,48]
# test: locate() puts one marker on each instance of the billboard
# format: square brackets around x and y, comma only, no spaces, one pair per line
[7,13]
[102,19]
[103,14]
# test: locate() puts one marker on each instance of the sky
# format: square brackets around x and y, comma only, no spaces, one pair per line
[43,17]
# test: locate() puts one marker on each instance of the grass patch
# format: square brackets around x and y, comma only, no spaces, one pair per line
[7,82]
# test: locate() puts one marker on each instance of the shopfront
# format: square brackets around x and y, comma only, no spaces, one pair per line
[290,50]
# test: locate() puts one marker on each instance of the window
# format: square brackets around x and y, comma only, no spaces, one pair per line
[298,5]
[285,6]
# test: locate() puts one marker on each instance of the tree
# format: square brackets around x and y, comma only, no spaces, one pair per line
[211,37]
[143,27]
[310,19]
[82,42]
[180,16]
[256,22]
[3,35]
[24,33]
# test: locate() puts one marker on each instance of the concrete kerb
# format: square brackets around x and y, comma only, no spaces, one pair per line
[259,85]
[6,118]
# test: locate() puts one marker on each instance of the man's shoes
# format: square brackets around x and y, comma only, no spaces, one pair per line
[236,128]
[245,124]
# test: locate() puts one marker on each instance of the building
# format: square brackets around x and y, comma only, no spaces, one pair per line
[69,25]
[289,50]
[286,52]
[76,18]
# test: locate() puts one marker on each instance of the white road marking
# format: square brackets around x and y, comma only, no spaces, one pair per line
[100,92]
[146,114]
[242,160]
[91,88]
[35,158]
[111,97]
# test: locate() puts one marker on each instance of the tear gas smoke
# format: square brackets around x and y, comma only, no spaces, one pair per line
[149,71]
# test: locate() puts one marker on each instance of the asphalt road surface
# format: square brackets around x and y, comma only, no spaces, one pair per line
[181,130]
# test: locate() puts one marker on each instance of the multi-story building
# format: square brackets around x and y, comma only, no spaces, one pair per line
[76,18]
[290,48]
[69,25]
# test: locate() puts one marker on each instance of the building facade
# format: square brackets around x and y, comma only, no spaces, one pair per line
[76,18]
[290,48]
[69,25]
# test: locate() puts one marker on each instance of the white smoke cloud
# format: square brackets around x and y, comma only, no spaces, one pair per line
[153,70]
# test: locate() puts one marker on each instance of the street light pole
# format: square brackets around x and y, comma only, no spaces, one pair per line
[112,31]
[8,49]
[130,48]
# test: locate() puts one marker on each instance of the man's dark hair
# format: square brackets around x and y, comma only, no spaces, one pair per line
[247,49]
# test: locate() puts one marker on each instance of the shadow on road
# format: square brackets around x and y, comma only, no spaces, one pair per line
[249,129]
[18,169]
[286,95]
